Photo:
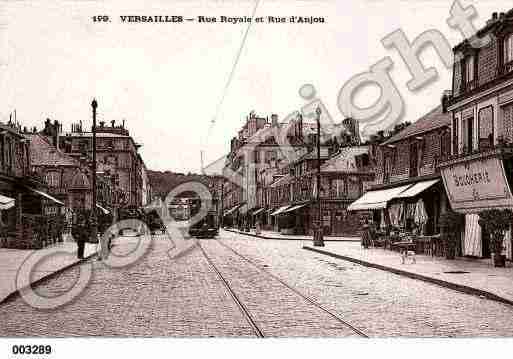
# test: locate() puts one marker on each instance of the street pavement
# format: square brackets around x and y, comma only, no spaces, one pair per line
[159,296]
[264,234]
[473,274]
[12,259]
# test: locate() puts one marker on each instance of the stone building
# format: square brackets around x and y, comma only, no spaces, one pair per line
[345,175]
[406,169]
[117,157]
[24,203]
[68,178]
[266,157]
[478,174]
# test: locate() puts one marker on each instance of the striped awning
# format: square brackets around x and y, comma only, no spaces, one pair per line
[233,209]
[280,210]
[293,208]
[6,202]
[376,199]
[47,196]
[258,211]
[104,210]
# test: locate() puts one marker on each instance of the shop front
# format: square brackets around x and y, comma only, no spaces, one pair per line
[475,183]
[409,211]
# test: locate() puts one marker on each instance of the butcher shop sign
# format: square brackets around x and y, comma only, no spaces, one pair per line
[477,184]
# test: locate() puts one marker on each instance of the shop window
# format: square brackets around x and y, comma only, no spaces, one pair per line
[485,119]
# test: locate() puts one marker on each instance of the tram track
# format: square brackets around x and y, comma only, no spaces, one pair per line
[247,292]
[238,302]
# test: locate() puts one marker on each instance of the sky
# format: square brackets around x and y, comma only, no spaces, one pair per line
[166,80]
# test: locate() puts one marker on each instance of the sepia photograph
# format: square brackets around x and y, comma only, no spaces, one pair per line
[196,175]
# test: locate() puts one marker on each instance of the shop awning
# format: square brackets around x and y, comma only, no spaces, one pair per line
[279,210]
[243,209]
[233,209]
[417,188]
[258,211]
[293,208]
[105,211]
[6,202]
[47,196]
[376,199]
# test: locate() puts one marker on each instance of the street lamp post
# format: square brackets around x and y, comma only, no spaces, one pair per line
[94,105]
[318,240]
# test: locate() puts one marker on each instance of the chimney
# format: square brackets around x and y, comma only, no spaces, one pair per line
[492,19]
[274,120]
[102,124]
[47,130]
[446,96]
[55,134]
[112,123]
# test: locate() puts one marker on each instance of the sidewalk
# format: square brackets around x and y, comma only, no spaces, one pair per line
[479,277]
[291,237]
[12,259]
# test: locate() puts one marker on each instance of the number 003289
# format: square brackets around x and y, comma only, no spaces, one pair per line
[32,349]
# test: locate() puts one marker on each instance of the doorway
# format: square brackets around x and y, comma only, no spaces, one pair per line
[485,244]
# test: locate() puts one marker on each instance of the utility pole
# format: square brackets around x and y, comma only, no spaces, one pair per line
[94,105]
[318,235]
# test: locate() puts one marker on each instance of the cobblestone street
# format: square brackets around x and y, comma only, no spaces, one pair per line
[186,297]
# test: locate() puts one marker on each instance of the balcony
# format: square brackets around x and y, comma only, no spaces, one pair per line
[502,150]
[469,86]
[506,68]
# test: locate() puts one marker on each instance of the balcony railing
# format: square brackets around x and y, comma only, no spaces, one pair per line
[499,149]
[506,68]
[469,85]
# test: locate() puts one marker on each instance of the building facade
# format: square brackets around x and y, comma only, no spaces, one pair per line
[116,155]
[408,194]
[25,218]
[478,174]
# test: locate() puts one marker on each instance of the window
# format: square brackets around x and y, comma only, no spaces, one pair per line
[52,179]
[387,168]
[339,188]
[508,49]
[469,69]
[455,129]
[485,119]
[414,159]
[467,133]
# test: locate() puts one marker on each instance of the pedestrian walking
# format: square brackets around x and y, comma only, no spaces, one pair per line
[79,232]
[366,236]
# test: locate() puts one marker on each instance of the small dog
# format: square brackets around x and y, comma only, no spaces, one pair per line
[408,254]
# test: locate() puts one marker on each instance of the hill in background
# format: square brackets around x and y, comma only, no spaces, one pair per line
[164,182]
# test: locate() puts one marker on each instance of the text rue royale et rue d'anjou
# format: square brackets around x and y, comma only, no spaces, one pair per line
[222,19]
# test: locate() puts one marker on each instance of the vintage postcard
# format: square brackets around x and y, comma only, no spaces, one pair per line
[253,169]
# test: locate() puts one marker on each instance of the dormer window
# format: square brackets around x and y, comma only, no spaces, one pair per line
[508,53]
[469,69]
[470,73]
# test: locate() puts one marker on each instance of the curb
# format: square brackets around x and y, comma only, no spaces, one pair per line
[287,238]
[457,287]
[16,293]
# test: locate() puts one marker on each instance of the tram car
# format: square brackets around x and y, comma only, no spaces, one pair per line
[207,227]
